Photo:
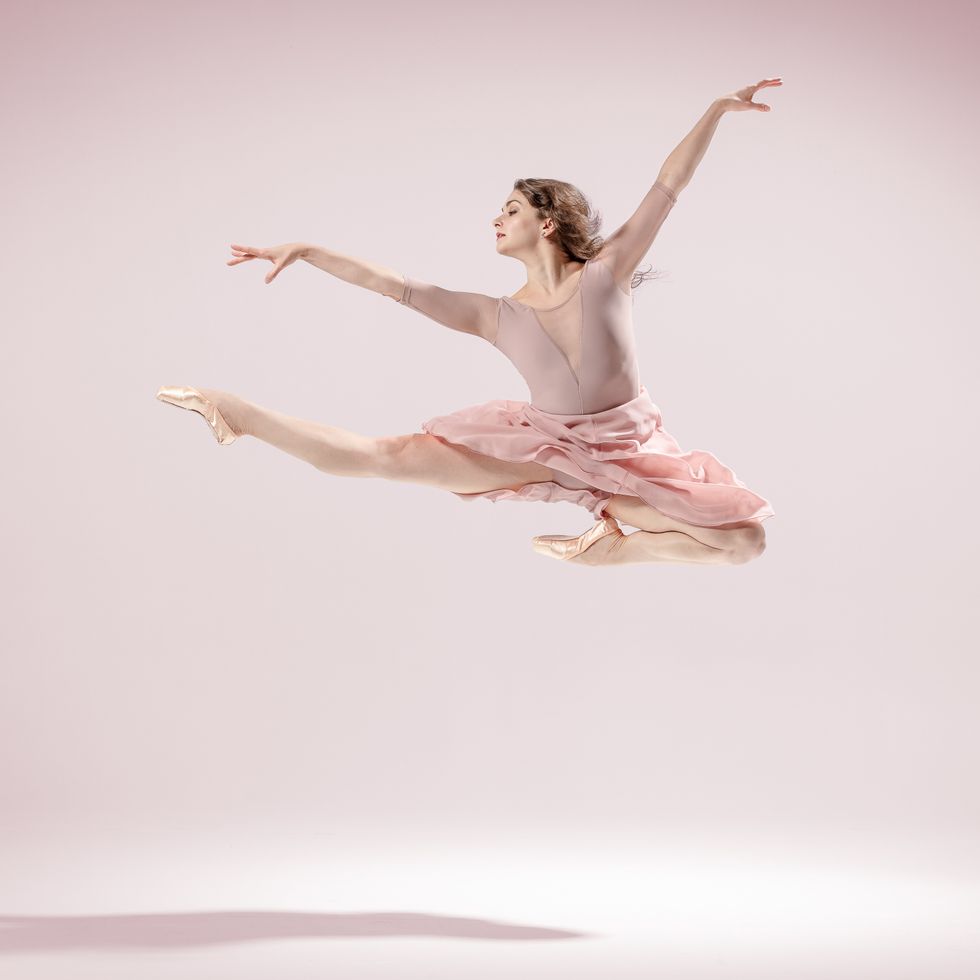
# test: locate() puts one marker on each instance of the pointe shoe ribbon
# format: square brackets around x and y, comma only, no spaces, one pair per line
[557,546]
[192,399]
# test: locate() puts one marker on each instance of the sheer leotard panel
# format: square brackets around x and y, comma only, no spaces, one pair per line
[577,357]
[589,418]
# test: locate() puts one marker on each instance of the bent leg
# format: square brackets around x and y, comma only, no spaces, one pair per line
[743,539]
[672,547]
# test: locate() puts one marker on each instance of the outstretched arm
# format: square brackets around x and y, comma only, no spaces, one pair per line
[358,272]
[473,313]
[679,167]
[626,247]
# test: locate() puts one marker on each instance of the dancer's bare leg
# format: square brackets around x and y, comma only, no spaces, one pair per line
[422,458]
[743,539]
[674,547]
[642,547]
[413,458]
[326,447]
[635,512]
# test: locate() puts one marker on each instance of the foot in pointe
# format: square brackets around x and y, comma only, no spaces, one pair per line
[218,408]
[582,548]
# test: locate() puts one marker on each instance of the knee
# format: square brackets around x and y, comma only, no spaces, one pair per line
[399,456]
[748,543]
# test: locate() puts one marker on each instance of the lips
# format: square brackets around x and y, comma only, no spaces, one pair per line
[500,234]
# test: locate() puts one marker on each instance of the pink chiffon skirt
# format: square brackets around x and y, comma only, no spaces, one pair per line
[622,450]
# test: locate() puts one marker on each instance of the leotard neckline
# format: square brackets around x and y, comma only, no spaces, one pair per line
[548,309]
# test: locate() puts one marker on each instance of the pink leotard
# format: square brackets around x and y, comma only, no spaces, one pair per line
[589,418]
[577,357]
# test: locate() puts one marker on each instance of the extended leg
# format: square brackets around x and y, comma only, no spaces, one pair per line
[422,458]
[326,447]
[413,458]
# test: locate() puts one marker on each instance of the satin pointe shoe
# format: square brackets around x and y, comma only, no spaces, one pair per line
[557,546]
[191,398]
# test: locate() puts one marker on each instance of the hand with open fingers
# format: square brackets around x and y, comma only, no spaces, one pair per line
[742,99]
[279,255]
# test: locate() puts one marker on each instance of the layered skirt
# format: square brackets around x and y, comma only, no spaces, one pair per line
[623,450]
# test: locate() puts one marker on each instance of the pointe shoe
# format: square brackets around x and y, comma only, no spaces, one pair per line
[566,548]
[191,398]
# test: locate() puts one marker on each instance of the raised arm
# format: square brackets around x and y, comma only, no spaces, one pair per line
[472,313]
[627,245]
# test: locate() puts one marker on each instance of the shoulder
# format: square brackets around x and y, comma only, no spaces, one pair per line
[607,259]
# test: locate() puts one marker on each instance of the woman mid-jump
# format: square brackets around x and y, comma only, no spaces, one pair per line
[590,433]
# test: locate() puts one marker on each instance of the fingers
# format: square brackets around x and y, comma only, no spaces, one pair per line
[247,252]
[244,253]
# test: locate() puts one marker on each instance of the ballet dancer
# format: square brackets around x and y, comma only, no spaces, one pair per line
[590,433]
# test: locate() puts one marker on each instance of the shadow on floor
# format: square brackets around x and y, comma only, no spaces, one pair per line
[51,933]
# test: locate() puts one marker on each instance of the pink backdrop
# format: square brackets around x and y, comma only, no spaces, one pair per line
[251,701]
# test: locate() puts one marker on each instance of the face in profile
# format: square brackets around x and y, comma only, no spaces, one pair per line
[516,227]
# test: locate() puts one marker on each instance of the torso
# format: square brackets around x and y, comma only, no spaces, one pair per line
[578,353]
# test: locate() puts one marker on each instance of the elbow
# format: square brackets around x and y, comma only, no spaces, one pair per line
[673,185]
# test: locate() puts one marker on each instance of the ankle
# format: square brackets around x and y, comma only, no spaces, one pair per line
[236,411]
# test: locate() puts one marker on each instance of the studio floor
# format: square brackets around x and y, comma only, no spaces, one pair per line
[246,907]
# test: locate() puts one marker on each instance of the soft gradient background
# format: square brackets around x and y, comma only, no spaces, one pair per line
[258,721]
